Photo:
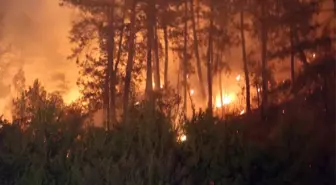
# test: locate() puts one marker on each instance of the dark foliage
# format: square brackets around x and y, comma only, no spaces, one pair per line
[146,151]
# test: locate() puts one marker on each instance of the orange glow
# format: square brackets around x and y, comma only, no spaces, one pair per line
[153,84]
[72,96]
[183,138]
[227,99]
[238,78]
[192,91]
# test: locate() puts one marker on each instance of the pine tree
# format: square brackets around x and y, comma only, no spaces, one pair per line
[196,50]
[130,59]
[35,104]
[103,81]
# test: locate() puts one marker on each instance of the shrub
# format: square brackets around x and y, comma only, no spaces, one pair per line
[146,151]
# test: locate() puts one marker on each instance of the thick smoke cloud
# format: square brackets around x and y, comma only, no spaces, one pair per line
[34,34]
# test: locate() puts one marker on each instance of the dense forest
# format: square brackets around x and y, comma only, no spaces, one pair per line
[157,70]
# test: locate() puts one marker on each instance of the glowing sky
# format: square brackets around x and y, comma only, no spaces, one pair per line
[37,31]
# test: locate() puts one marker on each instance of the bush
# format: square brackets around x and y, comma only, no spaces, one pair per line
[147,151]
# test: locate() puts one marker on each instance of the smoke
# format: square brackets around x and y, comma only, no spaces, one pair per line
[34,45]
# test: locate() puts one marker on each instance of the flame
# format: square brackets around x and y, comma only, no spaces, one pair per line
[227,99]
[183,138]
[238,77]
[161,85]
[242,112]
[192,92]
[72,96]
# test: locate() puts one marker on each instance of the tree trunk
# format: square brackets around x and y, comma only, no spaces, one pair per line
[130,62]
[292,55]
[150,34]
[219,59]
[185,59]
[106,106]
[209,63]
[246,72]
[109,72]
[221,93]
[301,52]
[264,62]
[157,60]
[192,105]
[178,83]
[258,95]
[165,35]
[325,94]
[198,60]
[114,76]
[121,37]
[197,11]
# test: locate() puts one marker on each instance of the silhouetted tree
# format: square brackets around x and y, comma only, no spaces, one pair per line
[35,104]
[196,50]
[130,59]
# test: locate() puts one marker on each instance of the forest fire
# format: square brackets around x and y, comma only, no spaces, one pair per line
[167,92]
[167,52]
[73,96]
[224,100]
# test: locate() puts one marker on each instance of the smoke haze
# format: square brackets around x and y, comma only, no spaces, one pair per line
[35,33]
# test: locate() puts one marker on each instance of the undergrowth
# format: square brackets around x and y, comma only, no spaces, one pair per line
[146,151]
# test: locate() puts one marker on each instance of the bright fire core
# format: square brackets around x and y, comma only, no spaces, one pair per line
[225,100]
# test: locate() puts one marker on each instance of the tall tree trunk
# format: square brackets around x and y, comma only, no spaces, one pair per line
[106,105]
[114,76]
[246,71]
[109,72]
[198,60]
[185,59]
[264,62]
[165,36]
[221,92]
[121,38]
[192,105]
[219,59]
[325,95]
[258,95]
[178,83]
[130,62]
[157,60]
[292,55]
[197,11]
[302,54]
[209,62]
[150,33]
